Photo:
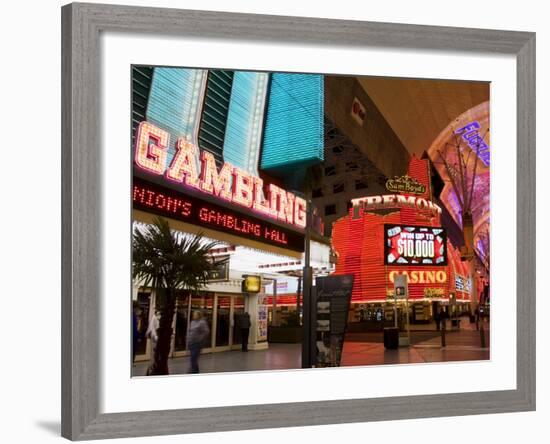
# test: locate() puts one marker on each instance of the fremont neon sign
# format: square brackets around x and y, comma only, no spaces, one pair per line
[396,201]
[229,183]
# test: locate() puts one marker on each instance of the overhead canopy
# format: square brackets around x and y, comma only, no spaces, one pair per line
[424,114]
[419,109]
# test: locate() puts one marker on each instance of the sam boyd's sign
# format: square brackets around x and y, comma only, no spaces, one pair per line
[405,184]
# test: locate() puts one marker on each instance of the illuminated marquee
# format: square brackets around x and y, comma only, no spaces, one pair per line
[169,203]
[421,277]
[229,183]
[387,201]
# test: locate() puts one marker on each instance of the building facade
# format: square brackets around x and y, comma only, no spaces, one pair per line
[224,153]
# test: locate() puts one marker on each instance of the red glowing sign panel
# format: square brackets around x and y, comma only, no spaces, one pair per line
[169,203]
[413,245]
[229,183]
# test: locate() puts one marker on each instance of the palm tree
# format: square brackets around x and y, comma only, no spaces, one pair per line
[166,261]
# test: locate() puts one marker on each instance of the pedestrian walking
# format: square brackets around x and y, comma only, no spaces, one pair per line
[243,322]
[135,331]
[437,318]
[152,334]
[443,315]
[198,332]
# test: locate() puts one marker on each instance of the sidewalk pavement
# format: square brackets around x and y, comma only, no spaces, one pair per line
[359,349]
[276,357]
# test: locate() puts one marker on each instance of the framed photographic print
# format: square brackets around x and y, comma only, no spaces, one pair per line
[278,221]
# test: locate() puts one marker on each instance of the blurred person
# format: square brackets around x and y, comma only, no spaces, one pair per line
[443,316]
[135,330]
[198,332]
[243,322]
[437,318]
[152,334]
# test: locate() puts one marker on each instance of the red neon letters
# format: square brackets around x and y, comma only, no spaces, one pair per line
[183,209]
[229,183]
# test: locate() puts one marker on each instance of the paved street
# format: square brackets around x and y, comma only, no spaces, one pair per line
[359,349]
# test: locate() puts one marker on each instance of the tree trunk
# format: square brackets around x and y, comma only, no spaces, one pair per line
[468,230]
[164,332]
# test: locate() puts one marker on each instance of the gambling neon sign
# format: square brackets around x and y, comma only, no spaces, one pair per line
[229,183]
[170,203]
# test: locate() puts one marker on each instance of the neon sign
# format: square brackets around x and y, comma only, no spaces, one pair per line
[170,203]
[421,277]
[471,136]
[405,184]
[229,183]
[386,201]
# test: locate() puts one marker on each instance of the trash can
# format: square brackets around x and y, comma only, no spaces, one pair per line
[456,323]
[391,338]
[472,319]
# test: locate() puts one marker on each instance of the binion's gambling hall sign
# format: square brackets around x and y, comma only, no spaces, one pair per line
[229,184]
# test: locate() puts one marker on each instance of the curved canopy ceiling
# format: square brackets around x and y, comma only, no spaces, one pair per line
[419,109]
[424,114]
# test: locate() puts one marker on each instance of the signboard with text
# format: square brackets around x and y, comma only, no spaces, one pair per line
[414,245]
[167,202]
[333,296]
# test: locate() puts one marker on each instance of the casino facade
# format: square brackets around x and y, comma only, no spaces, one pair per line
[387,235]
[216,152]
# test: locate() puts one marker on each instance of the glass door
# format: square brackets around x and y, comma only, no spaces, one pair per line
[141,309]
[182,323]
[238,309]
[223,310]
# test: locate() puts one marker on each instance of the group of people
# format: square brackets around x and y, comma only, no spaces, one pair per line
[197,335]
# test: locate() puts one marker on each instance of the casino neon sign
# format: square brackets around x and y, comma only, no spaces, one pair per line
[229,183]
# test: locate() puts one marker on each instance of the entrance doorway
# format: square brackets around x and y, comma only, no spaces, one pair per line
[217,309]
[238,309]
[223,321]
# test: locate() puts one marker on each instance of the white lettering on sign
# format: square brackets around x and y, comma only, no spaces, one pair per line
[395,201]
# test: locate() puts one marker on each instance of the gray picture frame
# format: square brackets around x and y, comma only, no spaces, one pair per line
[82,232]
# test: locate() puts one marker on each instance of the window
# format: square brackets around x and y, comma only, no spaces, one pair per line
[338,187]
[330,209]
[351,166]
[361,184]
[317,192]
[330,170]
[141,84]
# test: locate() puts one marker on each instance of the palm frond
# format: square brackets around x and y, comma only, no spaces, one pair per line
[163,258]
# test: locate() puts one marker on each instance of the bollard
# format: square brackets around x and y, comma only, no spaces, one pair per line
[482,336]
[443,327]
